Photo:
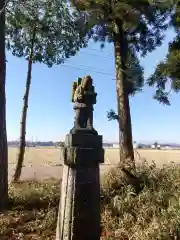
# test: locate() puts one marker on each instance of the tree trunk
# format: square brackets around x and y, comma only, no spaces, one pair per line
[125,129]
[3,134]
[22,146]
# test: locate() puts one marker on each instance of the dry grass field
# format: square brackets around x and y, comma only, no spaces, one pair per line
[143,208]
[46,162]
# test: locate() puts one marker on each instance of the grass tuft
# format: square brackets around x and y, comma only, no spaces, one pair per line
[32,211]
[146,208]
[132,208]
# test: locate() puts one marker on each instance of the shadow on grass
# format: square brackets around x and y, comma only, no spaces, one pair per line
[32,210]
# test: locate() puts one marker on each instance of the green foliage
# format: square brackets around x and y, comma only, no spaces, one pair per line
[166,76]
[134,80]
[134,74]
[111,115]
[143,24]
[56,38]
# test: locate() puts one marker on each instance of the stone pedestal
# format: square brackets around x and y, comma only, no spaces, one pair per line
[79,209]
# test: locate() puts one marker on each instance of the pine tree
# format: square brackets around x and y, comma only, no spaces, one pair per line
[134,78]
[166,76]
[3,134]
[40,31]
[135,26]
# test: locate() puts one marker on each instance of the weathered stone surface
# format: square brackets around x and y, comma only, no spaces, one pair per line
[79,210]
[65,216]
[87,205]
[84,97]
[83,156]
[83,140]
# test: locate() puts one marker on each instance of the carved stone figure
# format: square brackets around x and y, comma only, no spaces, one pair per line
[84,97]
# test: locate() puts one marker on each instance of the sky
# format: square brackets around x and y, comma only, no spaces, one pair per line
[50,112]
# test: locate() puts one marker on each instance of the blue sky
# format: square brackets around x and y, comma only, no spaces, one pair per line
[50,112]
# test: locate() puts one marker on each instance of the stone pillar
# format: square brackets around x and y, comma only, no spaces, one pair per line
[79,208]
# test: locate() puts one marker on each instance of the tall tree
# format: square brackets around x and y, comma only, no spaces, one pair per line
[128,24]
[134,81]
[3,135]
[41,31]
[166,76]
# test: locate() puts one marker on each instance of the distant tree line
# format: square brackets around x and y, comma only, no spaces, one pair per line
[37,143]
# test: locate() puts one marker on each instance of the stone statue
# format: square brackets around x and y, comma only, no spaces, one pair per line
[84,97]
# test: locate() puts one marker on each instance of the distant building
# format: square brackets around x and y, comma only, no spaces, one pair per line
[156,146]
[167,147]
[115,145]
[107,145]
[135,145]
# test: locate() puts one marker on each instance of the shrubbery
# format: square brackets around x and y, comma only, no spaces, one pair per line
[149,208]
[145,207]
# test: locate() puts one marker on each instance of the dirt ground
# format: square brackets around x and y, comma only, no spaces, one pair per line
[43,162]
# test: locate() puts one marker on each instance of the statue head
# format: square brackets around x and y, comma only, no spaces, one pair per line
[87,82]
